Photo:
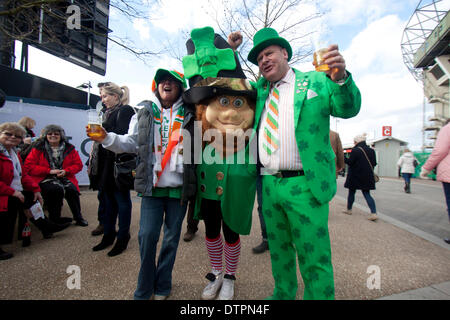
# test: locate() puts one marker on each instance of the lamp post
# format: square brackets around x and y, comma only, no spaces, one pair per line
[86,85]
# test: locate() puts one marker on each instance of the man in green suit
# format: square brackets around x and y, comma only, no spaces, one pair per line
[292,120]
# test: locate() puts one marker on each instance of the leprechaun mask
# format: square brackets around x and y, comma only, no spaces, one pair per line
[231,116]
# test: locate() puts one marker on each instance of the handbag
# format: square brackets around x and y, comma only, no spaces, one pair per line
[125,170]
[375,176]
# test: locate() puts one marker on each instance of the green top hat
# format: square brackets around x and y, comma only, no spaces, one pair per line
[212,68]
[265,38]
[160,73]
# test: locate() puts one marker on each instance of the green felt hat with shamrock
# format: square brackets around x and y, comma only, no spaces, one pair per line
[264,38]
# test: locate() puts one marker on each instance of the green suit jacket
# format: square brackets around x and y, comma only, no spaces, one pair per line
[316,97]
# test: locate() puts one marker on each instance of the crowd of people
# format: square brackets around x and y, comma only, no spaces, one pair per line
[293,176]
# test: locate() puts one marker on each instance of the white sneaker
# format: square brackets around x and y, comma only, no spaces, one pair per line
[227,291]
[210,291]
[160,297]
[347,211]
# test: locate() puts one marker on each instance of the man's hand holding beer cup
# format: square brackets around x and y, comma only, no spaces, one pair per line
[330,61]
[99,135]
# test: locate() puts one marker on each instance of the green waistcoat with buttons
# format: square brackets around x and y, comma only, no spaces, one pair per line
[234,185]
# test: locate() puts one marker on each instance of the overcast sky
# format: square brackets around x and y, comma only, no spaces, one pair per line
[368,32]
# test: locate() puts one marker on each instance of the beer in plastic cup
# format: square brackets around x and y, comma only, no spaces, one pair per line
[94,124]
[319,61]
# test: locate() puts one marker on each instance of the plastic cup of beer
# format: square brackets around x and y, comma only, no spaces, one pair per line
[94,124]
[319,61]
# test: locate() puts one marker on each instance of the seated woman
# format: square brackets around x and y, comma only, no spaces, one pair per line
[17,190]
[52,164]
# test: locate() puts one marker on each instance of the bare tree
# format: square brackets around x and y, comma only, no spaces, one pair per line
[288,17]
[38,22]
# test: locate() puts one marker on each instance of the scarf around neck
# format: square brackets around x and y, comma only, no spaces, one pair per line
[55,162]
[164,133]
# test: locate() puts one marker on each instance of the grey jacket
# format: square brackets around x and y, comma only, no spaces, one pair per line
[140,140]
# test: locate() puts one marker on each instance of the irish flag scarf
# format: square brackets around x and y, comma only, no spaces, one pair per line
[167,136]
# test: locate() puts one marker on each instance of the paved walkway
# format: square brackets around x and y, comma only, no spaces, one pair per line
[372,260]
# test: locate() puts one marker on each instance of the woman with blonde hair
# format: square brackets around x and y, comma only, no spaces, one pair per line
[117,199]
[28,124]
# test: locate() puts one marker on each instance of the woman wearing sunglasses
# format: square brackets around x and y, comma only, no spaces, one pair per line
[53,164]
[18,192]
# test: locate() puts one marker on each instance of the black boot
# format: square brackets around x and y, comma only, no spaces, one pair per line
[107,240]
[120,246]
[47,227]
[408,187]
[261,248]
[5,255]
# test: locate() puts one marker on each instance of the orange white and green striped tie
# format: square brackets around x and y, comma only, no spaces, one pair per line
[271,136]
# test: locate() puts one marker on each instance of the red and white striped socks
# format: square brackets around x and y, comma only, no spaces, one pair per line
[232,253]
[216,249]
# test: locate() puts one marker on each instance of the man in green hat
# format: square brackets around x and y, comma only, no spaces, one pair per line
[292,120]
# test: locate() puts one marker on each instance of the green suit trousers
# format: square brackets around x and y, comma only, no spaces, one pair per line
[297,226]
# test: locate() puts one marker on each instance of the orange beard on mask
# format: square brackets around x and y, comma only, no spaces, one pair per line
[227,120]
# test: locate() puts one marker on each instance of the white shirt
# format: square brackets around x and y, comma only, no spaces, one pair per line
[286,157]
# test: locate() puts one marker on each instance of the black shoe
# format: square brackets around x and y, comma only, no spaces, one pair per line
[81,222]
[188,236]
[5,255]
[107,240]
[119,247]
[262,247]
[26,241]
[63,220]
[48,227]
[97,231]
[447,240]
[56,227]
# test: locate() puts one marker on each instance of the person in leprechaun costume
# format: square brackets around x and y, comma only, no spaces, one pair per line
[226,173]
[292,120]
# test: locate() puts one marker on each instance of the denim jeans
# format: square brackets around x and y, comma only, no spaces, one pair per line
[407,177]
[117,205]
[156,211]
[446,186]
[101,212]
[367,196]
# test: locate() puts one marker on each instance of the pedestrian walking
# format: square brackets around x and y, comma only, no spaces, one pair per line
[440,159]
[360,175]
[407,164]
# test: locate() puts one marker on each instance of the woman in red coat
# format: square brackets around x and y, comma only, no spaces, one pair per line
[53,164]
[17,189]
